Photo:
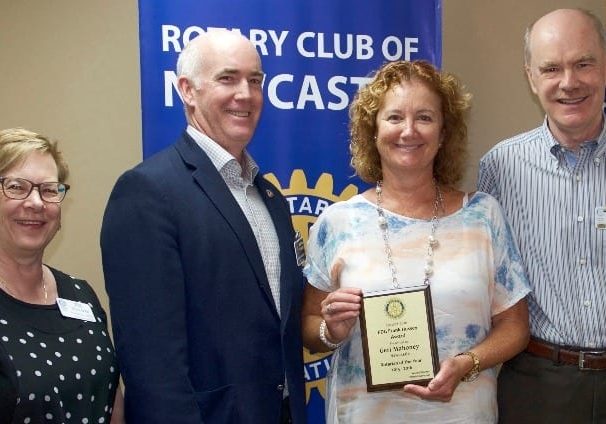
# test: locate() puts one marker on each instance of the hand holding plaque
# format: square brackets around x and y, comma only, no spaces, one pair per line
[398,338]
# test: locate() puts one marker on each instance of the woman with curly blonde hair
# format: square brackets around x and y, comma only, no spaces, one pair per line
[450,160]
[414,228]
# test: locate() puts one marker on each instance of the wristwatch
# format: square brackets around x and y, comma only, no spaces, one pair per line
[474,372]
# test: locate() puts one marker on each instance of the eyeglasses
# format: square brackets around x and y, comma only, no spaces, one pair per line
[20,188]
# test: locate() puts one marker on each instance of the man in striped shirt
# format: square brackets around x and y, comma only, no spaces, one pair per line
[551,181]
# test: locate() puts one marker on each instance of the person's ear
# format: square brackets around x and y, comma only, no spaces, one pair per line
[528,71]
[186,88]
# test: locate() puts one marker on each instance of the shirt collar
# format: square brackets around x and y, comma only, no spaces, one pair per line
[221,158]
[598,144]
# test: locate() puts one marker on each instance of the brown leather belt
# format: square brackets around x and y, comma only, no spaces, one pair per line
[586,360]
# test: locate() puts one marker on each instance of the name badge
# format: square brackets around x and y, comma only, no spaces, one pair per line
[600,217]
[76,310]
[299,249]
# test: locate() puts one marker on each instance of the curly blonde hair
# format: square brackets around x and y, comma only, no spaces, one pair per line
[449,163]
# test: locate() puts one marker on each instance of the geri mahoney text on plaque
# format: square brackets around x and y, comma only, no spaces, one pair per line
[398,338]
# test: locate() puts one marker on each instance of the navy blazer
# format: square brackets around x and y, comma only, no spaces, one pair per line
[196,330]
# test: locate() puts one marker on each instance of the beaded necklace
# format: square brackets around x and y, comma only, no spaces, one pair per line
[432,242]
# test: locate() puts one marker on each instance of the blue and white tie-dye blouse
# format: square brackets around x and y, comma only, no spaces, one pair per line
[477,274]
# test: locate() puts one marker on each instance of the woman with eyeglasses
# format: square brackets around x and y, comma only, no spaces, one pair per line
[57,363]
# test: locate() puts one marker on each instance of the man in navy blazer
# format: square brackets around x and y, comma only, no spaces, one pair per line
[203,281]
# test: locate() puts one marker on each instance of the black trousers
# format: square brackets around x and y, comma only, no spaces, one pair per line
[535,390]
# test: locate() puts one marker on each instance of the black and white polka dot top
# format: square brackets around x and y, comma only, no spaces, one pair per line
[55,369]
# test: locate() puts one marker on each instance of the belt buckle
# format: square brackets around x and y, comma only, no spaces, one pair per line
[582,354]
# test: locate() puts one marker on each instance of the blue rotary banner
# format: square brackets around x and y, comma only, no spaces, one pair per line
[315,54]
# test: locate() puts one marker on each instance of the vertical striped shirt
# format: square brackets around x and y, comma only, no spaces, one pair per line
[552,204]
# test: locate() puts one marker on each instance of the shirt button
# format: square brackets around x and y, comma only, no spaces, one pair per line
[280,387]
[596,161]
[587,303]
[578,178]
[583,261]
[580,218]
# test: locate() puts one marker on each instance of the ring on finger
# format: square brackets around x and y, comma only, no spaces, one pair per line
[329,308]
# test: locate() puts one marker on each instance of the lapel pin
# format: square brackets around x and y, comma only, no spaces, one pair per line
[269,193]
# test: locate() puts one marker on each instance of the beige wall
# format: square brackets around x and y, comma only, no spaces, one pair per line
[70,69]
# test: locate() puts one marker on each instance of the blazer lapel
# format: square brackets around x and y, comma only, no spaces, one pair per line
[210,181]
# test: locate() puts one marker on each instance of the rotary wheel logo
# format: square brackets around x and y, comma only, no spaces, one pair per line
[306,204]
[394,308]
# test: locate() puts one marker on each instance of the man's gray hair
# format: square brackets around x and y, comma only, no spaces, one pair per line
[190,62]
